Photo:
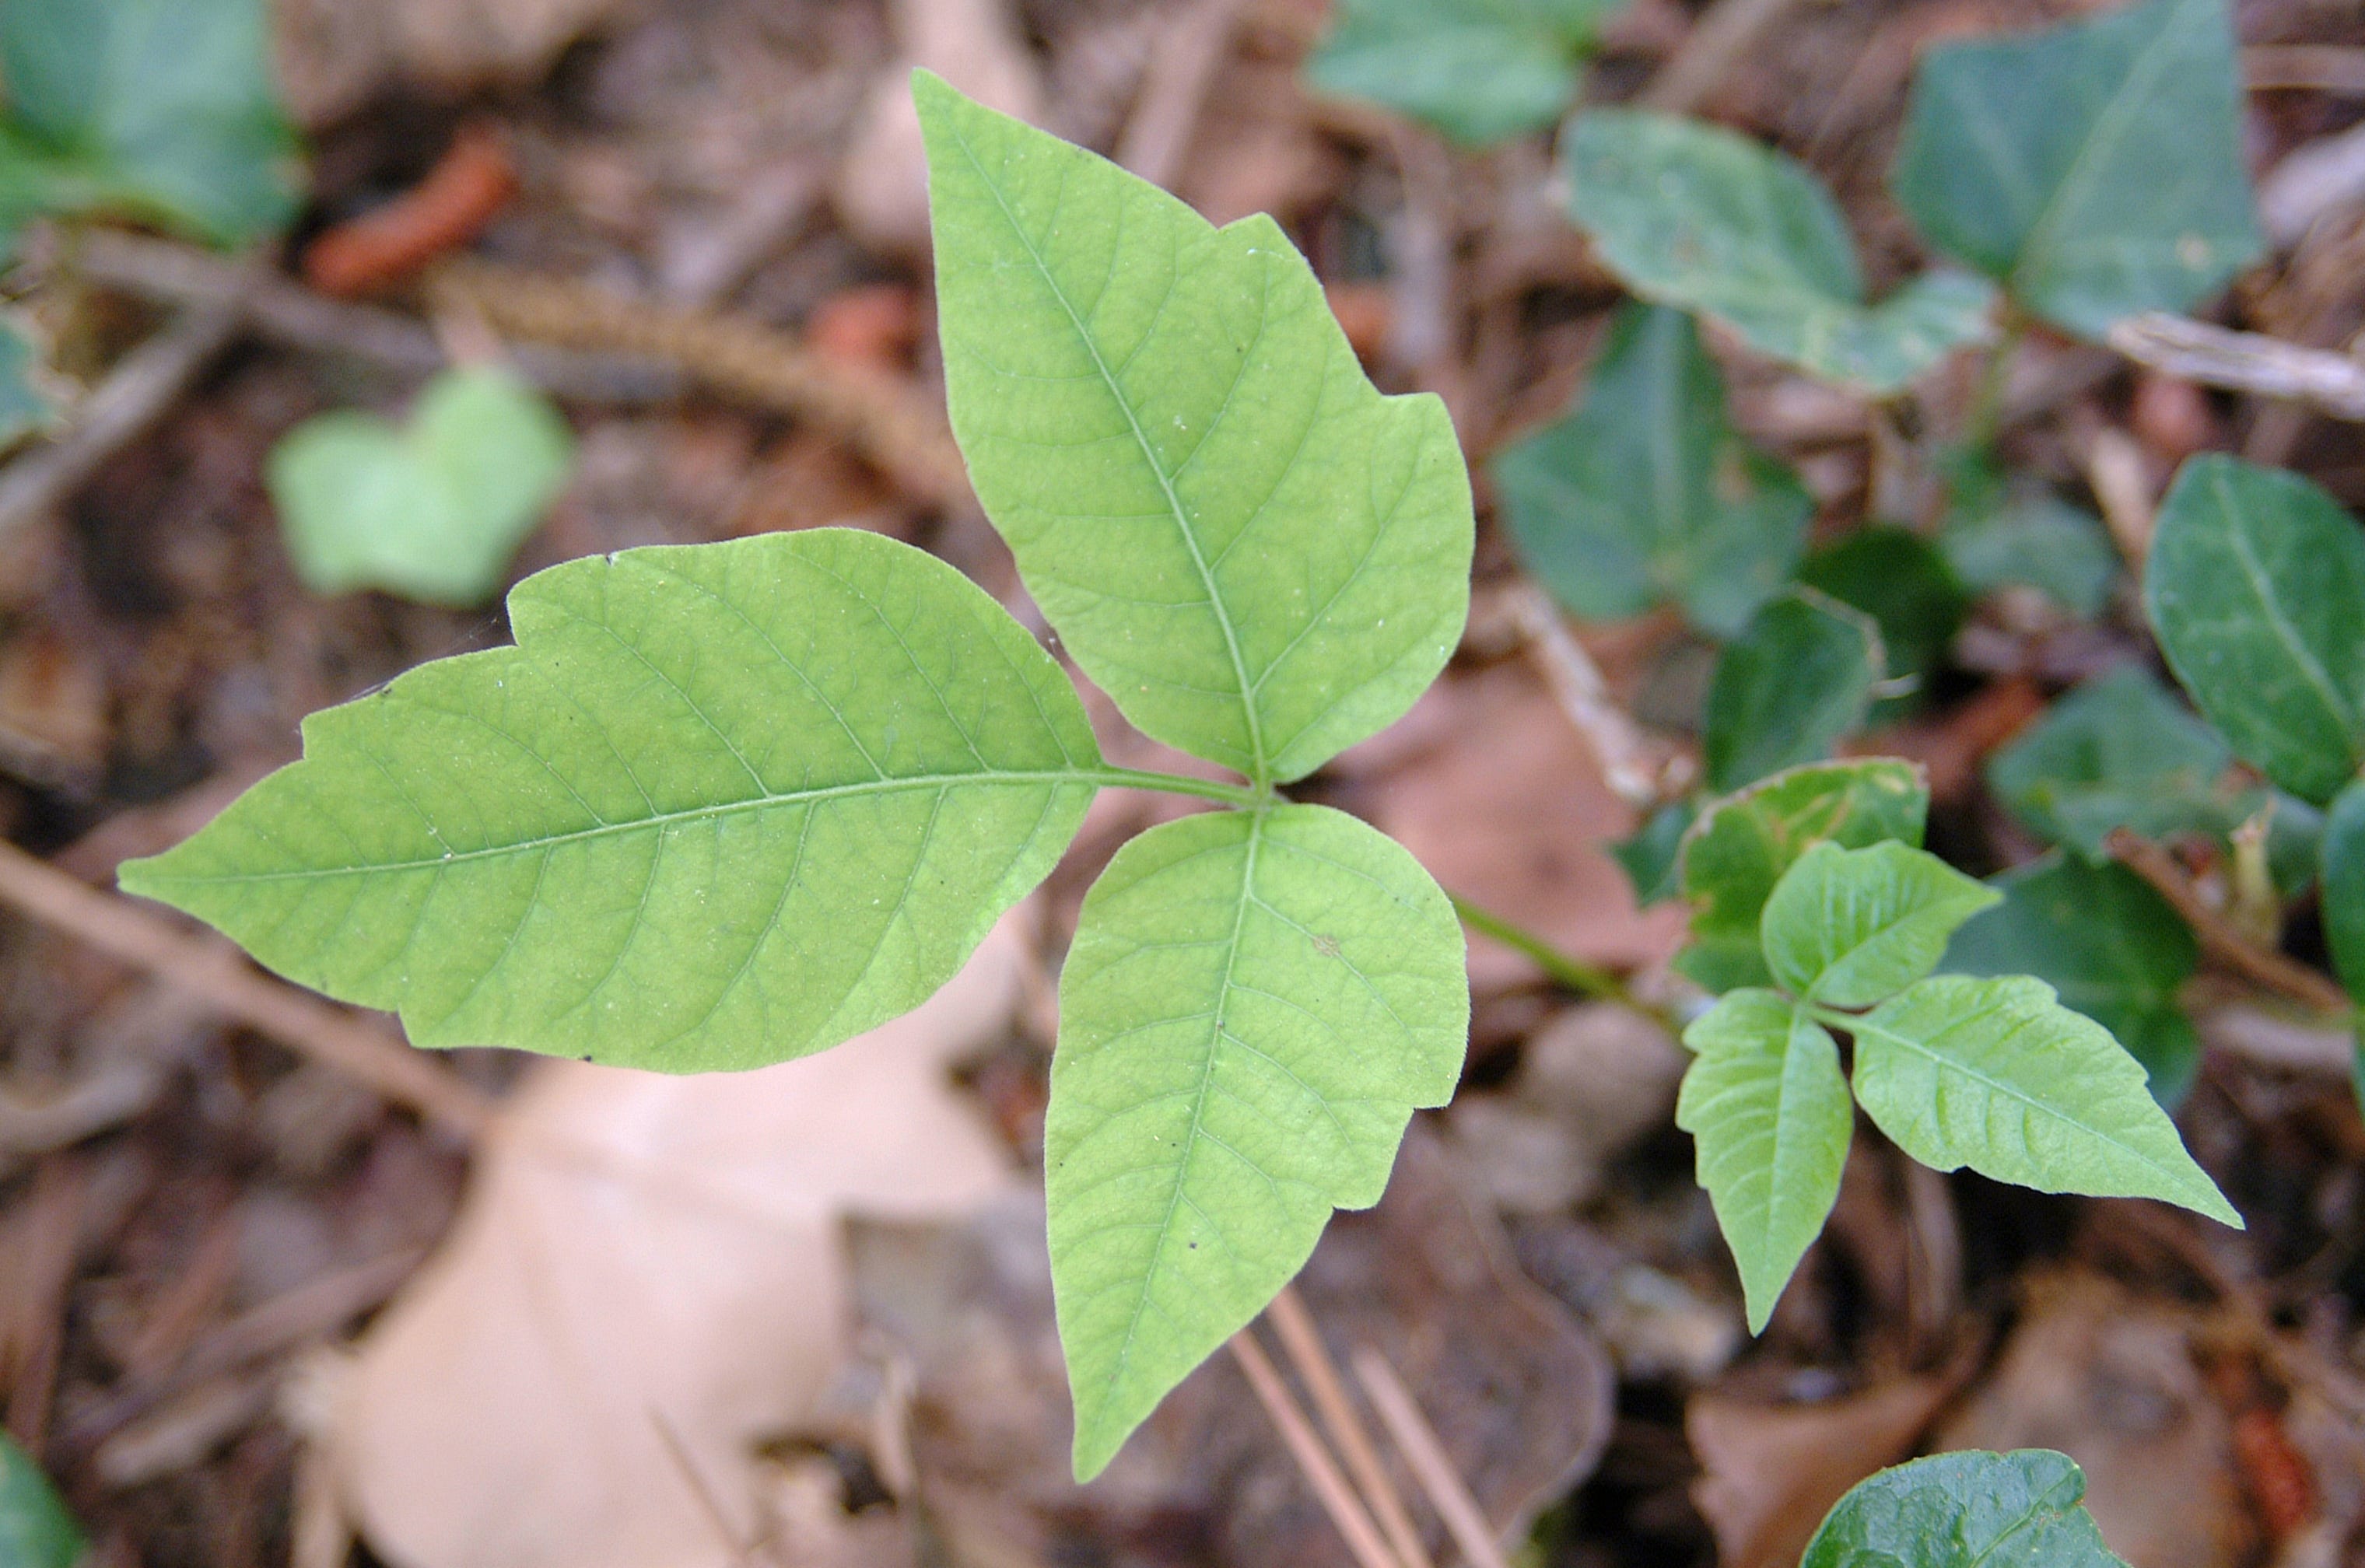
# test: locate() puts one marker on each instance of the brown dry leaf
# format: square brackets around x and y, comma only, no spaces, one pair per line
[1591,1081]
[646,1282]
[335,54]
[2108,1378]
[1486,783]
[881,188]
[1772,1472]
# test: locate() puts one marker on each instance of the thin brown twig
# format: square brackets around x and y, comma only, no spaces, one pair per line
[1303,1345]
[1617,742]
[1314,1460]
[2244,361]
[1418,1441]
[219,977]
[2218,933]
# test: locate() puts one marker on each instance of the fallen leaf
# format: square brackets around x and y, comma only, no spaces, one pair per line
[646,1282]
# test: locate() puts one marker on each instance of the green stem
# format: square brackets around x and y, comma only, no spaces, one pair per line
[1246,795]
[1986,419]
[1566,970]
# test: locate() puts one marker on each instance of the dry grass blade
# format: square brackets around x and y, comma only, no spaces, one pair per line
[1314,1460]
[1417,1440]
[1303,1344]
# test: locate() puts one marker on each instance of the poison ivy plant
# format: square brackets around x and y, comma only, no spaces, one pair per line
[35,1531]
[2118,750]
[1479,70]
[162,109]
[2093,169]
[2023,1509]
[2254,587]
[2108,944]
[1741,845]
[1997,540]
[2344,886]
[730,803]
[1785,691]
[1993,1074]
[1650,857]
[1895,576]
[1704,219]
[1644,496]
[432,511]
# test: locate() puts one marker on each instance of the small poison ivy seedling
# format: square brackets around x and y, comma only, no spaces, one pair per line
[727,804]
[432,510]
[158,110]
[2023,1509]
[1479,70]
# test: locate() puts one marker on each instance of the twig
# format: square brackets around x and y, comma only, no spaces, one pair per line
[2121,480]
[1615,741]
[2218,933]
[2308,67]
[899,431]
[1314,1460]
[1417,1440]
[1303,1345]
[1714,46]
[2243,362]
[224,982]
[135,394]
[1183,65]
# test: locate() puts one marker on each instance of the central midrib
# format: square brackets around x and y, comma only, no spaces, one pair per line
[1259,770]
[659,821]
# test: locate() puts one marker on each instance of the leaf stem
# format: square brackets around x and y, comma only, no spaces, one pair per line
[1247,795]
[1985,421]
[1565,969]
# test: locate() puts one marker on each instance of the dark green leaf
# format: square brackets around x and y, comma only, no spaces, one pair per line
[1479,70]
[2111,949]
[2039,541]
[1768,1107]
[2095,169]
[2344,886]
[2119,752]
[1645,494]
[1649,857]
[1734,855]
[1703,218]
[1790,688]
[1850,927]
[2255,590]
[2023,1509]
[35,1531]
[1893,576]
[164,108]
[25,405]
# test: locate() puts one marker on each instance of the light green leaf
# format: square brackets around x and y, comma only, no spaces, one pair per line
[1645,494]
[720,805]
[1259,558]
[2256,589]
[2039,541]
[162,108]
[1896,577]
[1997,1075]
[2120,751]
[2094,169]
[1848,927]
[1479,70]
[1734,855]
[1790,688]
[2109,946]
[2344,886]
[1769,1107]
[1254,1005]
[1703,218]
[35,1531]
[432,512]
[2022,1509]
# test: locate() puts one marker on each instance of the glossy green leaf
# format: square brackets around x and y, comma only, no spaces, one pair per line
[35,1531]
[1259,558]
[1254,1005]
[1741,847]
[2094,169]
[2255,590]
[1789,688]
[720,805]
[1767,1107]
[2108,946]
[2344,886]
[1650,857]
[1479,70]
[1997,1075]
[1895,576]
[2022,1509]
[161,108]
[432,511]
[2039,541]
[2120,751]
[1848,927]
[1703,218]
[1645,496]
